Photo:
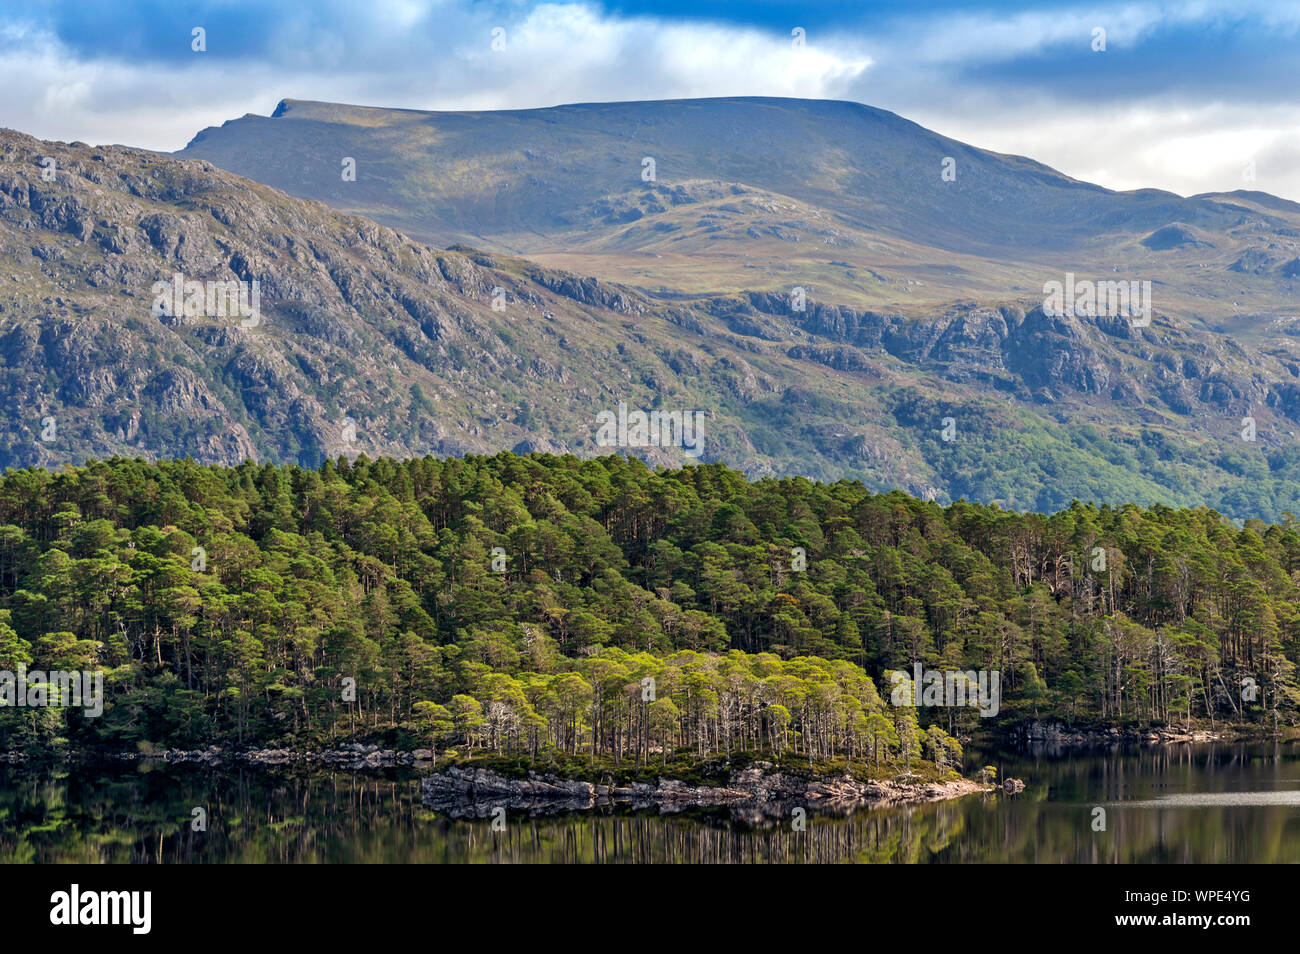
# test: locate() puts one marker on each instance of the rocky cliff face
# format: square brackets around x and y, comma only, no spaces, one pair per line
[366,341]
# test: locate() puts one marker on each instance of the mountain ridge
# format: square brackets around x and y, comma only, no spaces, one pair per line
[763,192]
[374,343]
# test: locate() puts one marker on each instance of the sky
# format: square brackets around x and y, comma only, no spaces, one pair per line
[1192,96]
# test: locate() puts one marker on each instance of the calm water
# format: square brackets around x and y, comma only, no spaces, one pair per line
[1205,803]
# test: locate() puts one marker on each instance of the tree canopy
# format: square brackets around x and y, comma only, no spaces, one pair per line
[549,604]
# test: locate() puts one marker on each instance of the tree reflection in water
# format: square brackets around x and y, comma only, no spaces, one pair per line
[1187,804]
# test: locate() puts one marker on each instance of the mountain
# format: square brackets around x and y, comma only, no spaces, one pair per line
[368,341]
[761,194]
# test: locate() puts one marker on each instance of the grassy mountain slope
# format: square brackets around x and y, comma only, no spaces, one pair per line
[761,193]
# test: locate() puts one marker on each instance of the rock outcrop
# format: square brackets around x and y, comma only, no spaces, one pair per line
[758,790]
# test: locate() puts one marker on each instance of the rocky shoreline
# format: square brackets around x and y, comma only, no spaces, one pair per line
[1058,734]
[354,755]
[752,794]
[757,792]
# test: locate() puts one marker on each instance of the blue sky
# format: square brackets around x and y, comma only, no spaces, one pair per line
[1193,96]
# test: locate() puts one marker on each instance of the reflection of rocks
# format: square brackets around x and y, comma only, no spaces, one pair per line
[353,755]
[469,810]
[1012,786]
[752,794]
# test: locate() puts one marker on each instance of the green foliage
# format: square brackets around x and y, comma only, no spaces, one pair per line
[636,615]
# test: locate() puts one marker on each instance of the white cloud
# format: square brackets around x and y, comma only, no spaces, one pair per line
[1132,146]
[556,54]
[970,38]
